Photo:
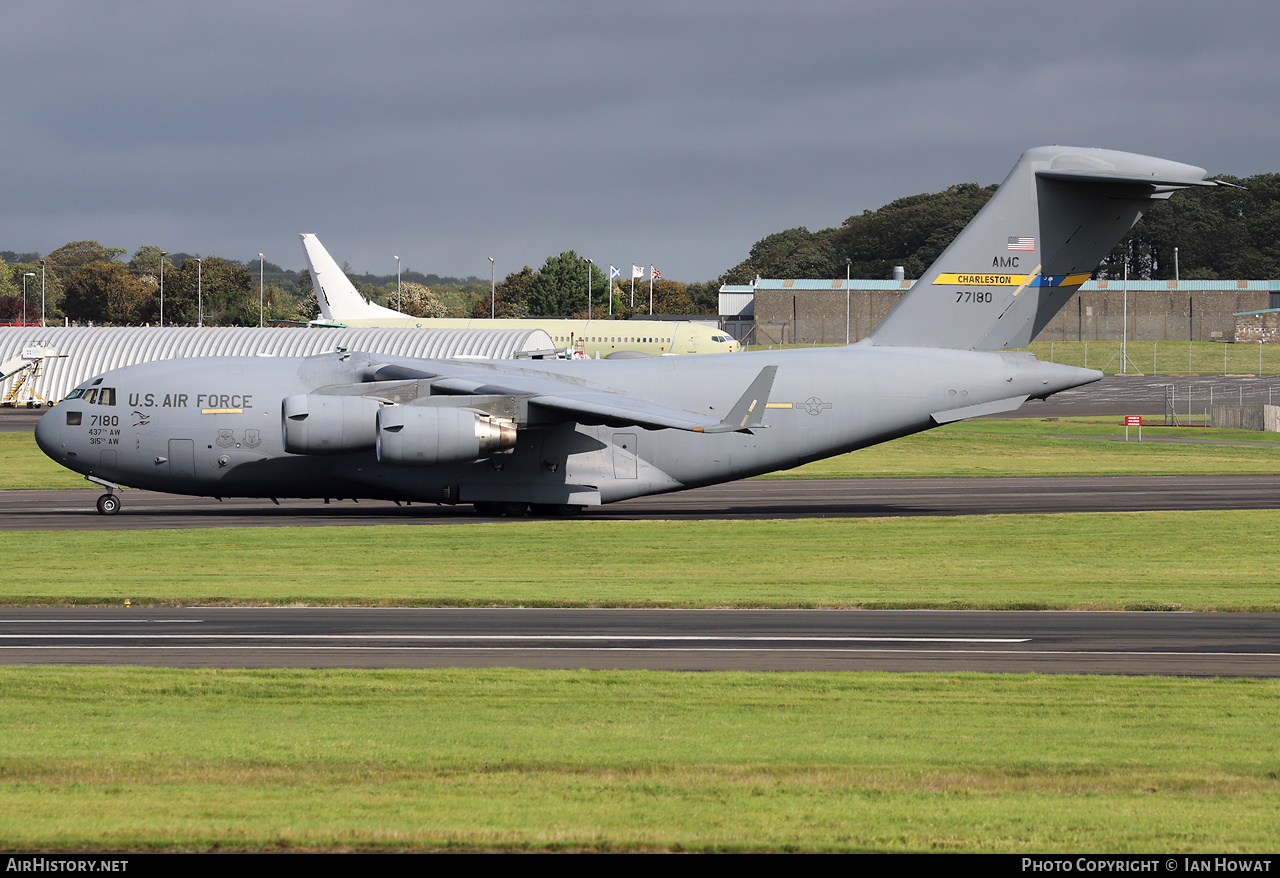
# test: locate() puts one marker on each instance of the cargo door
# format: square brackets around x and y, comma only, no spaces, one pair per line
[182,458]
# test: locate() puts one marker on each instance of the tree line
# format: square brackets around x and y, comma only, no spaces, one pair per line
[1219,233]
[560,289]
[85,282]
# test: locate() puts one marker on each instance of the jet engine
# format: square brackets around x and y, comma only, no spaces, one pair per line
[317,423]
[429,435]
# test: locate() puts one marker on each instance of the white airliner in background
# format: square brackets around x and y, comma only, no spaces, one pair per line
[341,303]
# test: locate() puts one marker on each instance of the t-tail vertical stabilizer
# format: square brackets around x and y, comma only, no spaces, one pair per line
[339,300]
[1055,217]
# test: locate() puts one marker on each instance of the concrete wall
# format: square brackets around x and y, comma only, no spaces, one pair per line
[1259,327]
[1246,417]
[819,316]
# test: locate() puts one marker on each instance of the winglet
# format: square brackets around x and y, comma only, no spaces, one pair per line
[748,412]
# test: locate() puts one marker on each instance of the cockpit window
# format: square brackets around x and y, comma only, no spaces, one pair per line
[95,395]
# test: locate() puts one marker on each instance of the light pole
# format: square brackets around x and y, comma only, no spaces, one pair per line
[261,264]
[163,254]
[24,295]
[398,305]
[493,292]
[199,292]
[589,264]
[1124,327]
[848,267]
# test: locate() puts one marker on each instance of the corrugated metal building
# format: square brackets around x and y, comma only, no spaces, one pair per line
[87,351]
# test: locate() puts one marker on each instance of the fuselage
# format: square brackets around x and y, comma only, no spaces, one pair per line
[589,337]
[213,427]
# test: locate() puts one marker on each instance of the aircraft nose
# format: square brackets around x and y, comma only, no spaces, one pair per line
[49,432]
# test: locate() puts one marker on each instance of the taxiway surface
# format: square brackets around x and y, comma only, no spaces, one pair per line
[760,499]
[1184,644]
[1181,644]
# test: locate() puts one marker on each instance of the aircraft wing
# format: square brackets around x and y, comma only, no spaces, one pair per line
[585,403]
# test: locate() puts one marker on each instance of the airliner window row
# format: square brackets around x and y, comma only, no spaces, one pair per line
[622,340]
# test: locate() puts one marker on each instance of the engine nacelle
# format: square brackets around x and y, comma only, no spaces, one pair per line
[411,435]
[317,423]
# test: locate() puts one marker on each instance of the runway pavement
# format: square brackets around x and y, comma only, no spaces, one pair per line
[1181,644]
[759,499]
[1186,644]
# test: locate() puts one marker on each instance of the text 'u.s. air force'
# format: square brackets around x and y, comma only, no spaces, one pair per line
[196,400]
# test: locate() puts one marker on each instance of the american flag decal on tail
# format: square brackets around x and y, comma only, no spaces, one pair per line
[1022,243]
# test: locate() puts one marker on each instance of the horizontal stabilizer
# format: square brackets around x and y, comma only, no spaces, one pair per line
[1118,177]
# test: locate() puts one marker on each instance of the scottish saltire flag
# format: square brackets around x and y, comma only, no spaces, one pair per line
[613,272]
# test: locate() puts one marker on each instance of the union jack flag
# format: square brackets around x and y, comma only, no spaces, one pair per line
[657,275]
[1022,243]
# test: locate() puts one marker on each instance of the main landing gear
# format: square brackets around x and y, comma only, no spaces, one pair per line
[519,510]
[108,503]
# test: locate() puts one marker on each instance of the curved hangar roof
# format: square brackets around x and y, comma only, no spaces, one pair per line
[84,352]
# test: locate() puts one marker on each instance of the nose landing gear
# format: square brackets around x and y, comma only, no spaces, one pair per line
[108,503]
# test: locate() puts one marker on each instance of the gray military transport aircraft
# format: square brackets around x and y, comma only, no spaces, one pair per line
[556,436]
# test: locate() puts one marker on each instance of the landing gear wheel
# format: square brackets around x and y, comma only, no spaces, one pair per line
[500,509]
[108,504]
[555,510]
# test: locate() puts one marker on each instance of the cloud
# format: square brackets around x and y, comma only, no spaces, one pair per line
[664,132]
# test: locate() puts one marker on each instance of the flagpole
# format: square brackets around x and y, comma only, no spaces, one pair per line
[651,290]
[613,272]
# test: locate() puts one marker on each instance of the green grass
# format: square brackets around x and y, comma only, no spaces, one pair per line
[991,447]
[1025,447]
[151,759]
[23,466]
[1145,357]
[1193,560]
[1164,357]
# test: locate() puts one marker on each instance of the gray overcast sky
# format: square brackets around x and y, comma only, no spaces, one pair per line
[671,133]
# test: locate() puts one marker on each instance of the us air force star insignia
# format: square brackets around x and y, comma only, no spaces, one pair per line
[225,438]
[813,405]
[252,438]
